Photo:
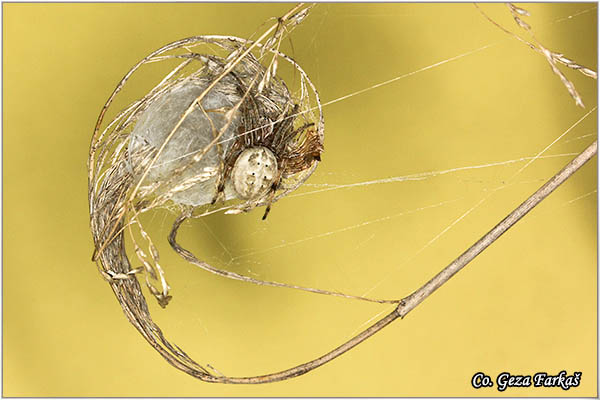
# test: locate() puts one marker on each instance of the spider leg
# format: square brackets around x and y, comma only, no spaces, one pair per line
[272,191]
[268,209]
[286,137]
[286,125]
[219,196]
[221,179]
[227,162]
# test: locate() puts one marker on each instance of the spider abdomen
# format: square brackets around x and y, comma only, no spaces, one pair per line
[254,172]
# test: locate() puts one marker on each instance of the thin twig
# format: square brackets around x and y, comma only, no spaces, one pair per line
[417,297]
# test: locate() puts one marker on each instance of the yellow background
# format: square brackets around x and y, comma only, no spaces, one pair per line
[527,304]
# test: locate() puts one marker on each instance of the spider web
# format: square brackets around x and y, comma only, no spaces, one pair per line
[432,136]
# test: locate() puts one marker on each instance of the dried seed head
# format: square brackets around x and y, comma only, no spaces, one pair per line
[254,172]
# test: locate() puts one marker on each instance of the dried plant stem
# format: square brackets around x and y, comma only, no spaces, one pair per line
[413,300]
[417,297]
[551,56]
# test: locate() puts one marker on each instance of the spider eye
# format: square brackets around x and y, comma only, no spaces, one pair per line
[253,173]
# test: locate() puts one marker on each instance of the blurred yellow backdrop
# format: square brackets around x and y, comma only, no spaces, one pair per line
[527,304]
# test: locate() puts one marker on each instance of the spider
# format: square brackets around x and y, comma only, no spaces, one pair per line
[268,148]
